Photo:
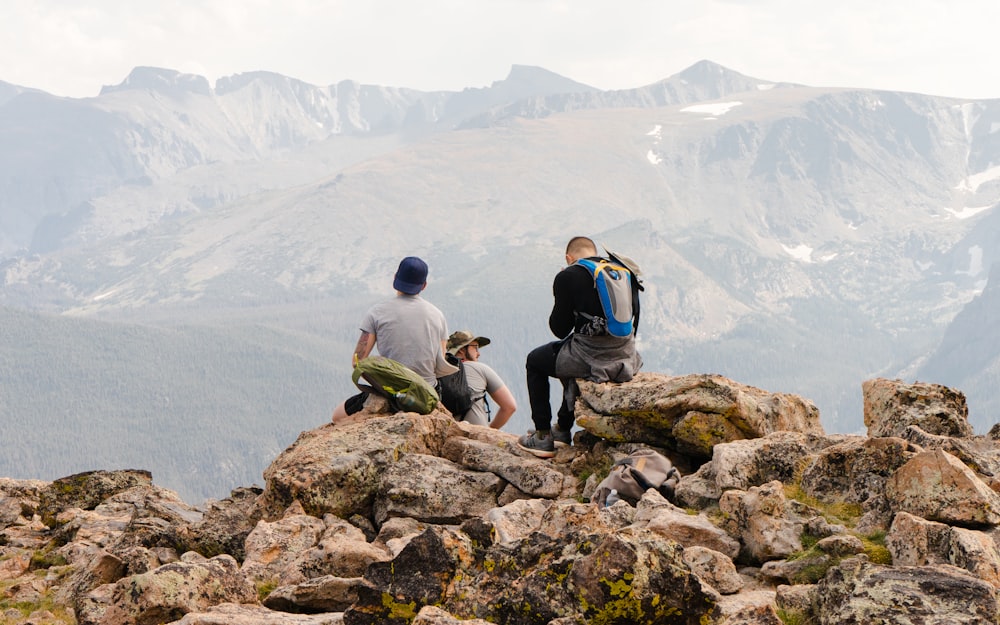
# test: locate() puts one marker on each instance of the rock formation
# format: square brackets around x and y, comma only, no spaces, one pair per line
[402,518]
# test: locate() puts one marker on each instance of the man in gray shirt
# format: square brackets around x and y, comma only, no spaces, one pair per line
[406,328]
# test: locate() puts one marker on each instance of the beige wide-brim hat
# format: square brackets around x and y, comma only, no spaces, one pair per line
[461,338]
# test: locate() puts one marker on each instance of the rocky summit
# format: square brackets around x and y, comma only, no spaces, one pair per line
[405,518]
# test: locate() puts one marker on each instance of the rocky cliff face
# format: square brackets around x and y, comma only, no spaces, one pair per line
[403,518]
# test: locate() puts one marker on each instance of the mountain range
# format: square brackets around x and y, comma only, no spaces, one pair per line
[217,245]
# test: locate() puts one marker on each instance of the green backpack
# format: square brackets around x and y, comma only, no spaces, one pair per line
[405,390]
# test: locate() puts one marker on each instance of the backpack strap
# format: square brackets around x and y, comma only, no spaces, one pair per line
[637,285]
[594,268]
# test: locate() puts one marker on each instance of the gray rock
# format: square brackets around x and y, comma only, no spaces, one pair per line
[891,406]
[857,591]
[690,413]
[167,593]
[435,490]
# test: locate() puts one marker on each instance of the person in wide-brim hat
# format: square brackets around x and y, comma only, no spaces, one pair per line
[482,380]
[463,338]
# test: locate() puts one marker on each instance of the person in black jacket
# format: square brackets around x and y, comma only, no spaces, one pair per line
[585,350]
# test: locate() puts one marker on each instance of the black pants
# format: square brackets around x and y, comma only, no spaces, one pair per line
[540,366]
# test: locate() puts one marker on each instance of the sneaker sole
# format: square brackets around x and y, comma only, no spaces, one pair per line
[561,444]
[540,453]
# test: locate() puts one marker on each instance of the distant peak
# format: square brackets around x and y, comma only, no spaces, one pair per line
[520,72]
[238,81]
[161,80]
[706,69]
[539,77]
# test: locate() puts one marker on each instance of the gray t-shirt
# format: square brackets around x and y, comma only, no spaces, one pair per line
[409,330]
[482,379]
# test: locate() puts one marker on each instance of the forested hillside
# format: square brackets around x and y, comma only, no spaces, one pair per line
[238,385]
[238,393]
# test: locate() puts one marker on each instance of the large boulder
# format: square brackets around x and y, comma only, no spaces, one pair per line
[87,490]
[242,614]
[855,471]
[299,547]
[529,475]
[224,526]
[857,591]
[979,453]
[891,406]
[167,593]
[936,486]
[435,490]
[690,413]
[764,520]
[743,464]
[337,469]
[914,541]
[629,576]
[658,515]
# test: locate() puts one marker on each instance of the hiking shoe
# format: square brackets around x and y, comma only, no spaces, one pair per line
[539,444]
[561,438]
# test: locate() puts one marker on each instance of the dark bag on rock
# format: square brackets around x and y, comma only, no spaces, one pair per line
[633,475]
[455,392]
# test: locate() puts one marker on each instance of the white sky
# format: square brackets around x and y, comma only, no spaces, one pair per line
[938,47]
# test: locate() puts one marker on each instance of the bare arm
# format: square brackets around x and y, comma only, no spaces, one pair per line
[364,347]
[507,405]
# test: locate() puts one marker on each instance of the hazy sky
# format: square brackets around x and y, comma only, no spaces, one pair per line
[73,47]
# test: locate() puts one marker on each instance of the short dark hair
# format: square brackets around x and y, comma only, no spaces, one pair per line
[581,247]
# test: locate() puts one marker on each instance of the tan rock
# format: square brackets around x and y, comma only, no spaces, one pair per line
[431,615]
[167,593]
[240,614]
[891,406]
[529,475]
[936,486]
[856,591]
[435,490]
[690,413]
[13,564]
[320,594]
[914,541]
[658,515]
[337,469]
[273,548]
[714,568]
[763,520]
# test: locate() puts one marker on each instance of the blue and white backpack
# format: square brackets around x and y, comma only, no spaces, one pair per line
[618,287]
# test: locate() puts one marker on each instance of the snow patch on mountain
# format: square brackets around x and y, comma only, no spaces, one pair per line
[975,262]
[800,252]
[973,182]
[714,109]
[652,156]
[968,211]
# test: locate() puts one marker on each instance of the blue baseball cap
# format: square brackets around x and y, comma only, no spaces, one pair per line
[411,276]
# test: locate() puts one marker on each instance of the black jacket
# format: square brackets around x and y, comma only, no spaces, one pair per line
[573,291]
